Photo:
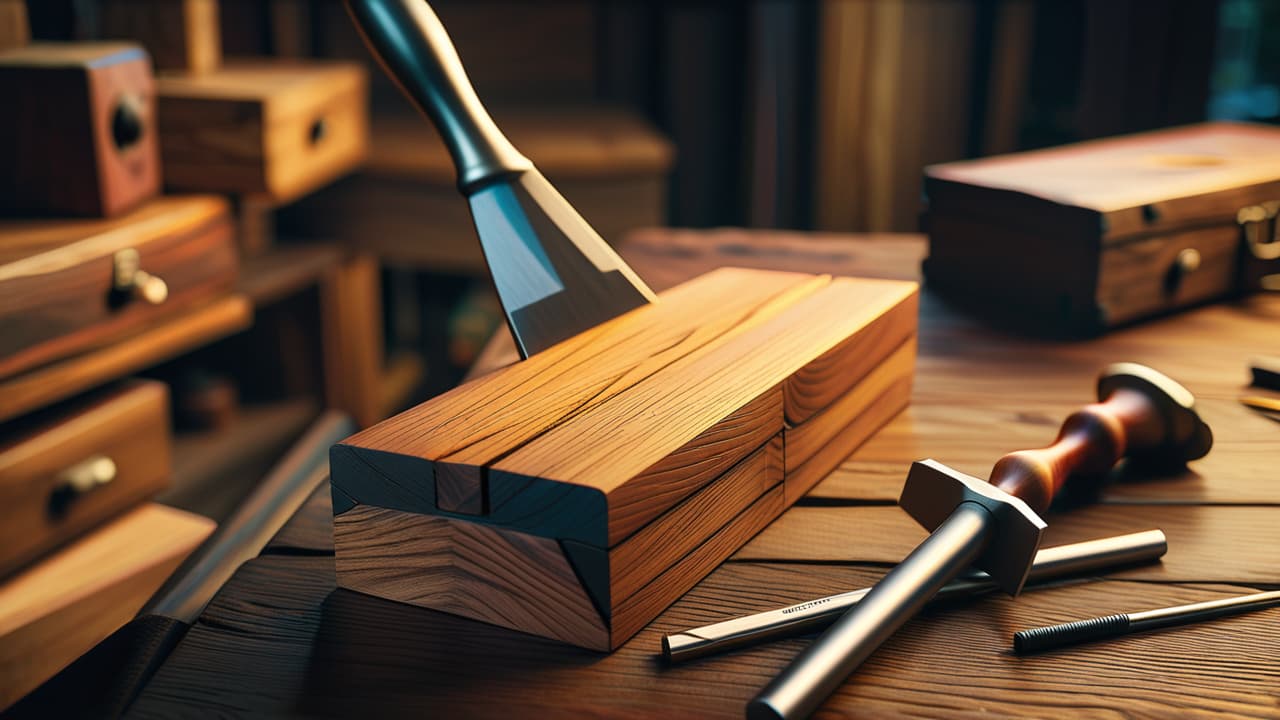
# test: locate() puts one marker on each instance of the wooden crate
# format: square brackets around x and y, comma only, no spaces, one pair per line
[274,128]
[1081,238]
[576,494]
[78,135]
[69,469]
[58,278]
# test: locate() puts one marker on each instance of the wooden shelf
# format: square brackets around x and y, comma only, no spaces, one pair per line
[285,269]
[60,380]
[213,470]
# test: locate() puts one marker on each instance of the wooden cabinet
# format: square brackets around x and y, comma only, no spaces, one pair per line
[69,468]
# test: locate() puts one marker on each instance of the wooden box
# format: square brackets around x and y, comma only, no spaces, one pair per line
[1085,237]
[77,136]
[577,493]
[181,35]
[70,468]
[274,128]
[66,285]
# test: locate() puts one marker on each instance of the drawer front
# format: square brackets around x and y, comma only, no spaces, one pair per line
[71,304]
[1158,274]
[74,467]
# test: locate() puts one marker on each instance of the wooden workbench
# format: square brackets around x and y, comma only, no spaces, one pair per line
[279,639]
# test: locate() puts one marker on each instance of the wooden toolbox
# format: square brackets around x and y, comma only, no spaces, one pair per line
[1081,238]
[278,129]
[72,467]
[77,136]
[70,285]
[574,495]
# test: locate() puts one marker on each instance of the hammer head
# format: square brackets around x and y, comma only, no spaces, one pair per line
[933,491]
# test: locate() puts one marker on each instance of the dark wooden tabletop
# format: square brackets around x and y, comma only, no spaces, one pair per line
[280,640]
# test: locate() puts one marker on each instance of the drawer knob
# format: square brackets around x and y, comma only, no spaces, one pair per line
[131,279]
[79,479]
[1186,262]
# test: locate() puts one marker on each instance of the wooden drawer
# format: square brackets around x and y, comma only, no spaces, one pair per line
[69,469]
[58,293]
[274,128]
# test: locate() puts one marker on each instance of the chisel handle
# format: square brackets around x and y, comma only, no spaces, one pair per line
[414,49]
[1139,412]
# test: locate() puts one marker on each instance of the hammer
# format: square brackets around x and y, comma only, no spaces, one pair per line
[994,525]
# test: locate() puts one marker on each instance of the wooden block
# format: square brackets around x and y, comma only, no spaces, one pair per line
[53,612]
[15,31]
[181,35]
[351,334]
[60,290]
[67,470]
[276,128]
[79,137]
[639,453]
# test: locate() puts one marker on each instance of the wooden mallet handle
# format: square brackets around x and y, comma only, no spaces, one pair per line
[1140,413]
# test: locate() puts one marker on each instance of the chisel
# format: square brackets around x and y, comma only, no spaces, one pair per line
[554,275]
[995,526]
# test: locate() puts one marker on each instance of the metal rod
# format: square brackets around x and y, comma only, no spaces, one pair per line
[820,612]
[1053,636]
[825,664]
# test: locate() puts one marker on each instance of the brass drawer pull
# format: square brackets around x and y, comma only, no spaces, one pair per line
[130,279]
[79,479]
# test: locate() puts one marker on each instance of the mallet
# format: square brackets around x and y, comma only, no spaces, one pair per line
[994,526]
[555,276]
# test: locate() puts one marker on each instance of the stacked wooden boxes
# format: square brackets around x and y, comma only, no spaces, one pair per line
[577,493]
[128,280]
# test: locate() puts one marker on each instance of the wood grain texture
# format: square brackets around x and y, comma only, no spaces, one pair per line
[128,424]
[62,153]
[279,640]
[56,276]
[694,393]
[279,129]
[59,608]
[63,379]
[182,36]
[466,569]
[576,374]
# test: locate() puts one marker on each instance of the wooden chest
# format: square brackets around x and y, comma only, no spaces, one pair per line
[274,128]
[1085,237]
[72,467]
[77,136]
[576,494]
[70,285]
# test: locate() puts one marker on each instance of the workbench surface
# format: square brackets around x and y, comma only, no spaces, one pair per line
[280,640]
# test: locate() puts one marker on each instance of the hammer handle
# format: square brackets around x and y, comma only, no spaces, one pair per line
[1092,440]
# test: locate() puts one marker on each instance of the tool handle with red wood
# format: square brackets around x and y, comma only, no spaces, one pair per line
[1140,413]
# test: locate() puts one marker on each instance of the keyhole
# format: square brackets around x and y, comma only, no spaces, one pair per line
[126,122]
